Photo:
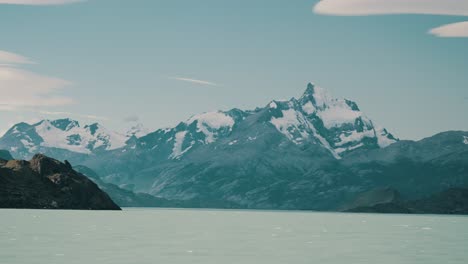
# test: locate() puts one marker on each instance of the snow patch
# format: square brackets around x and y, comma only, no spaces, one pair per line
[179,140]
[308,108]
[86,140]
[354,136]
[289,123]
[465,140]
[322,97]
[209,123]
[27,144]
[341,150]
[293,122]
[338,114]
[137,130]
[273,105]
[382,138]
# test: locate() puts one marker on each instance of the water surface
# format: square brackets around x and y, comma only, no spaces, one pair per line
[221,236]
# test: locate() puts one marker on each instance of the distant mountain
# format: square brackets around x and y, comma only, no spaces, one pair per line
[62,137]
[45,183]
[137,130]
[315,152]
[293,147]
[336,125]
[123,197]
[450,201]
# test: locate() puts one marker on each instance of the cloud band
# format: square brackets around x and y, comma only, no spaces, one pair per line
[393,7]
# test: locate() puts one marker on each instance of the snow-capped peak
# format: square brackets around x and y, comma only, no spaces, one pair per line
[337,124]
[333,112]
[64,134]
[210,122]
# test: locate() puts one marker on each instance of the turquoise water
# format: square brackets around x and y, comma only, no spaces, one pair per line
[218,236]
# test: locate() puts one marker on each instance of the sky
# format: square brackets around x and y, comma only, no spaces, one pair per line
[159,62]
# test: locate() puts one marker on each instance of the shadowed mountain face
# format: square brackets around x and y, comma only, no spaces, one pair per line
[127,198]
[5,155]
[43,182]
[450,201]
[314,152]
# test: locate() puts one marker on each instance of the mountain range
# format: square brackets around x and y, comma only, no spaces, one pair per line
[314,152]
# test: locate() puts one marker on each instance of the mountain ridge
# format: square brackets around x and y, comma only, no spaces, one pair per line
[312,153]
[316,117]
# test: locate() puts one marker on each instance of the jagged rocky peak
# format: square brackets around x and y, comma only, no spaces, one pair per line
[93,128]
[64,124]
[315,118]
[337,124]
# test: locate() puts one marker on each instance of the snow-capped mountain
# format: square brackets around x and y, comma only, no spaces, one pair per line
[137,130]
[315,118]
[311,152]
[336,124]
[202,129]
[24,140]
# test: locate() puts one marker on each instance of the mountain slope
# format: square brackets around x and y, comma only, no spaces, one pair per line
[450,201]
[5,155]
[123,197]
[284,155]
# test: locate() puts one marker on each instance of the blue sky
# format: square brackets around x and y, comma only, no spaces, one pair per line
[160,62]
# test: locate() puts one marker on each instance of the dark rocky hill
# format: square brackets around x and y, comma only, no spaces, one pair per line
[45,183]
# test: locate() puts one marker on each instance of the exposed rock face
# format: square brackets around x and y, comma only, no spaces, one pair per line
[45,183]
[450,201]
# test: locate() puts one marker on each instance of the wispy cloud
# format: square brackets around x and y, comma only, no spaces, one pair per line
[22,88]
[451,30]
[202,82]
[9,58]
[392,7]
[39,2]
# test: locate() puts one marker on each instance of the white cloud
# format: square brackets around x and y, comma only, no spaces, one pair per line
[9,58]
[39,2]
[22,88]
[385,7]
[451,30]
[194,81]
[392,7]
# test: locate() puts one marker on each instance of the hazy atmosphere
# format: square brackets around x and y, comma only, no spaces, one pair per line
[242,131]
[160,62]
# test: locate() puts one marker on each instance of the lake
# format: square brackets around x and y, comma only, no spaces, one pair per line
[228,236]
